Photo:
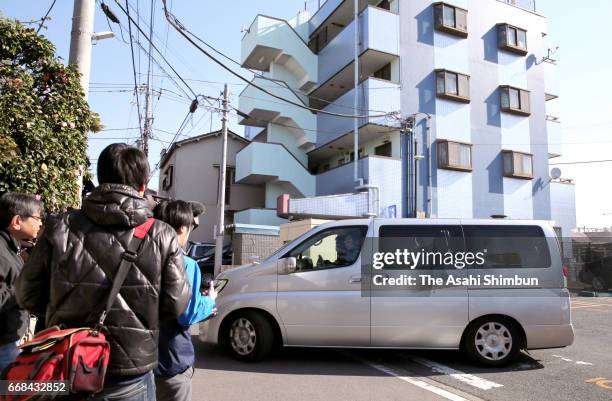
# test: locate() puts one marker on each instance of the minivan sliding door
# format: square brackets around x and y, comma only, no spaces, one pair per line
[413,303]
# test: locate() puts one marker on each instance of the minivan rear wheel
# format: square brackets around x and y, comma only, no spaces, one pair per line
[250,337]
[492,341]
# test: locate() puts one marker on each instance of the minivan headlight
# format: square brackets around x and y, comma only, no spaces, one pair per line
[220,284]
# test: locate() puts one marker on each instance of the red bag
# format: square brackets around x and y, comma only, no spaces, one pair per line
[78,356]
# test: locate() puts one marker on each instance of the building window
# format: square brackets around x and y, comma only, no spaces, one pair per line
[384,4]
[453,85]
[168,177]
[518,164]
[512,38]
[454,155]
[514,100]
[383,150]
[450,19]
[319,41]
[229,180]
[360,154]
[383,73]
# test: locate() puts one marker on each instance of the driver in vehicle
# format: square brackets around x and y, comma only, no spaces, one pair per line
[348,246]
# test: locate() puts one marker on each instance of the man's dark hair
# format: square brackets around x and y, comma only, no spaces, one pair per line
[18,204]
[123,164]
[176,213]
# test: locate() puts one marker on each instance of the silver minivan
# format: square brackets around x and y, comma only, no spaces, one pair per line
[320,290]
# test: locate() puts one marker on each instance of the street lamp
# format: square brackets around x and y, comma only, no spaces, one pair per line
[96,36]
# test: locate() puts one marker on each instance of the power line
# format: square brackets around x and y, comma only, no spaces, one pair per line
[176,24]
[244,115]
[583,162]
[42,21]
[276,81]
[178,131]
[118,129]
[157,63]
[134,71]
[156,49]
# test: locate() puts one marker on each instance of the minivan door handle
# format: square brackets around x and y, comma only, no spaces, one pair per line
[355,280]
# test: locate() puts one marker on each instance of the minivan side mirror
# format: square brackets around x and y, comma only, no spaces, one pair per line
[289,265]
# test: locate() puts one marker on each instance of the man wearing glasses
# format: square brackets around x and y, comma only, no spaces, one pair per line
[20,220]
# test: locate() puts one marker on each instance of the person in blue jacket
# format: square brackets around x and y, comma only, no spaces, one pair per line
[176,353]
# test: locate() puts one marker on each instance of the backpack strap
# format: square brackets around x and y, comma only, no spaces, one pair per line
[128,257]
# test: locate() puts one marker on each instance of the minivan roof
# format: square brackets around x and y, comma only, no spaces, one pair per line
[505,221]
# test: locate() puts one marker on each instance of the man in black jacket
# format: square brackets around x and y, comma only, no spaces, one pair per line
[20,220]
[70,270]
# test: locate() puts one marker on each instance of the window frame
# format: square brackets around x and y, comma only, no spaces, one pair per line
[449,95]
[168,174]
[363,227]
[383,146]
[513,173]
[522,95]
[503,29]
[470,229]
[439,17]
[444,163]
[455,232]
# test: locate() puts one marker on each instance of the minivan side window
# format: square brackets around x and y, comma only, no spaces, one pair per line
[432,241]
[509,246]
[330,248]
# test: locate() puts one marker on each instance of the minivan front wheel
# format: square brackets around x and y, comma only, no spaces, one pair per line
[492,341]
[250,337]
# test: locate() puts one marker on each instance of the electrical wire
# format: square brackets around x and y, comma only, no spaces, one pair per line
[42,21]
[156,49]
[583,162]
[179,27]
[276,81]
[134,71]
[178,131]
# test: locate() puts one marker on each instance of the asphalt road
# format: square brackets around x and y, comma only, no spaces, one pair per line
[580,372]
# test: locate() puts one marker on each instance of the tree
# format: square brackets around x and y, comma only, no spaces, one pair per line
[44,119]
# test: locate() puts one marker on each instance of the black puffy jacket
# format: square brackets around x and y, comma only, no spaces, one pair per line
[68,275]
[13,319]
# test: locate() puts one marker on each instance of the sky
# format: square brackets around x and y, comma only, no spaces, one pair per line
[584,61]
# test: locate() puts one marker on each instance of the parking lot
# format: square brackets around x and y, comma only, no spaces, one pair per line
[580,372]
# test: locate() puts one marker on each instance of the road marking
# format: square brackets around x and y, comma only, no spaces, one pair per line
[419,383]
[467,378]
[569,360]
[601,382]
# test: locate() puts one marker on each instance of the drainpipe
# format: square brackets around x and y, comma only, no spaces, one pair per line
[367,187]
[429,153]
[415,176]
[356,99]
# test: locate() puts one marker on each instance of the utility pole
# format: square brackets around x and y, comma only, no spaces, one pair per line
[80,54]
[221,201]
[148,120]
[80,39]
